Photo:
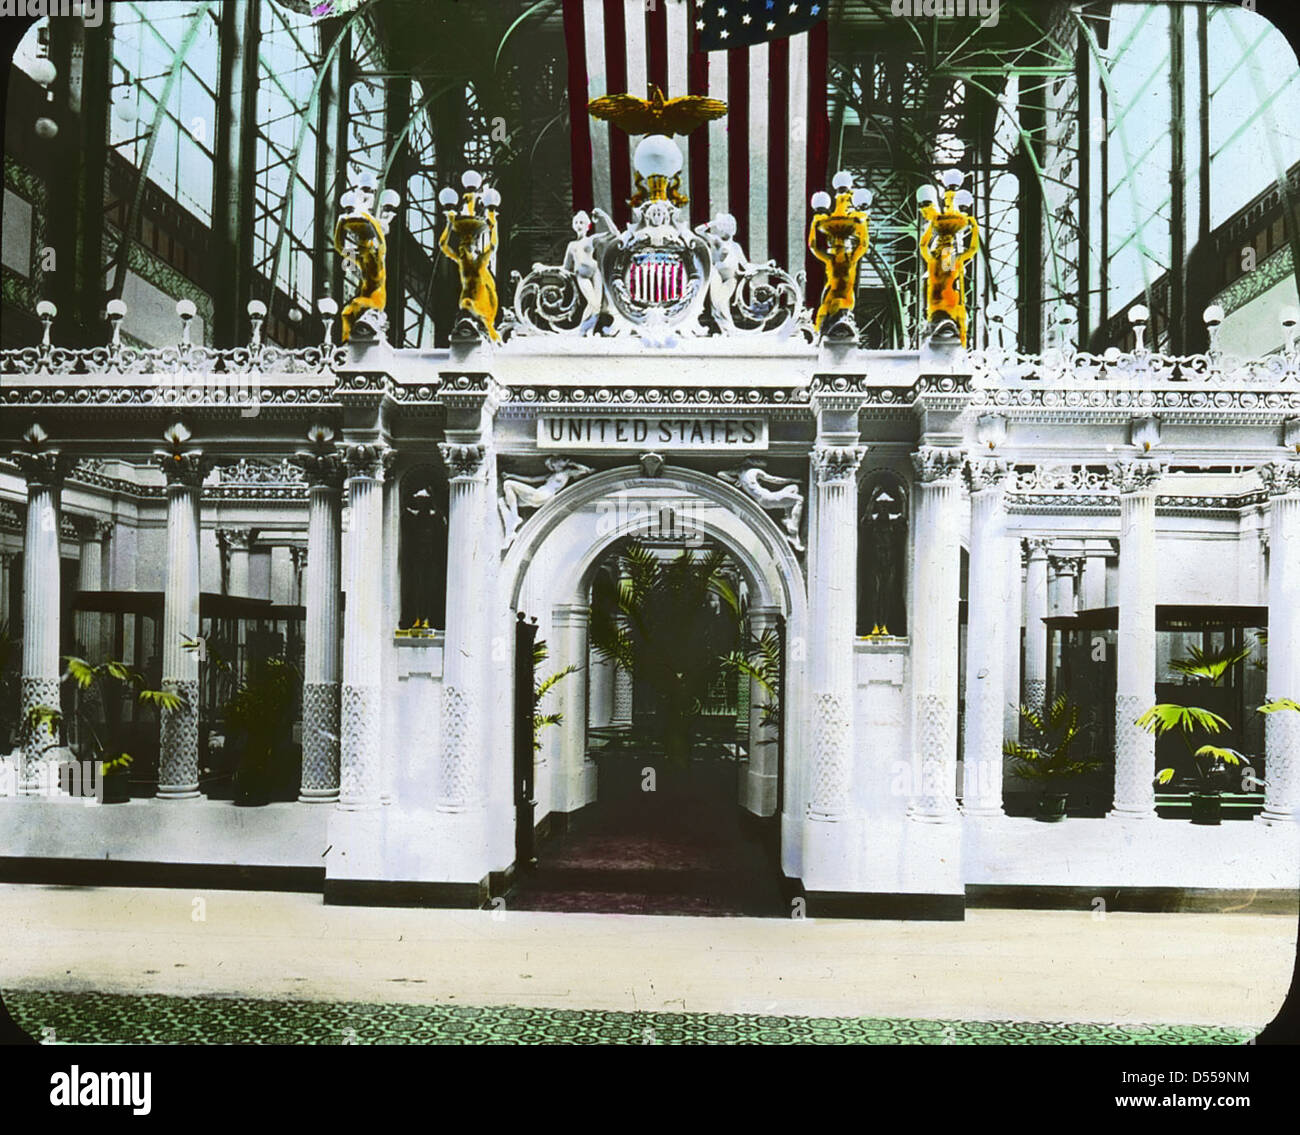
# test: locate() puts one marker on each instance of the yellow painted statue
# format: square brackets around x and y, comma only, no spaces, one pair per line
[845,231]
[359,239]
[945,260]
[476,241]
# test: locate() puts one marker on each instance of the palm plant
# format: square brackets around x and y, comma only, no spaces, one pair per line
[1052,760]
[760,660]
[654,622]
[1210,665]
[541,688]
[1187,721]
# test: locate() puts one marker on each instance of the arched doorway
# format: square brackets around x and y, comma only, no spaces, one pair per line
[630,818]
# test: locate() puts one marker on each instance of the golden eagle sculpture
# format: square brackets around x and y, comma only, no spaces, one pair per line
[656,115]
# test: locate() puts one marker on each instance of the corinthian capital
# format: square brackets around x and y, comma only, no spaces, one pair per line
[837,463]
[1034,548]
[1280,477]
[938,464]
[187,468]
[1065,565]
[1136,475]
[320,468]
[45,468]
[463,460]
[367,459]
[985,473]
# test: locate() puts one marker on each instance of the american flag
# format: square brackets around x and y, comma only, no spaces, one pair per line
[761,162]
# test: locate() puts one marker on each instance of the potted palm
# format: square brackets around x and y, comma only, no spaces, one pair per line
[542,687]
[260,713]
[1052,761]
[1208,761]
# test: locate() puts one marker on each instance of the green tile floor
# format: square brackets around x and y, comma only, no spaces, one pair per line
[100,1018]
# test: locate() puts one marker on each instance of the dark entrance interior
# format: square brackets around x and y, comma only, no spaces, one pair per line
[675,662]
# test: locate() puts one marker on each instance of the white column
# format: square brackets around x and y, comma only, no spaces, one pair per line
[933,627]
[600,690]
[360,701]
[622,698]
[90,577]
[298,596]
[575,776]
[1014,620]
[832,611]
[321,646]
[1035,692]
[178,746]
[470,538]
[1135,659]
[235,544]
[1064,589]
[1282,729]
[758,786]
[991,591]
[1092,593]
[6,574]
[39,684]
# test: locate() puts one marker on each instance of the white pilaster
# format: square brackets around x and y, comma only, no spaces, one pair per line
[758,786]
[39,684]
[600,690]
[1135,659]
[933,627]
[991,592]
[1282,730]
[178,749]
[360,708]
[90,577]
[321,669]
[1063,591]
[235,544]
[575,784]
[1035,691]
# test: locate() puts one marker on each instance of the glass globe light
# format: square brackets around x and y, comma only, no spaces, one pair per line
[115,309]
[366,180]
[471,179]
[963,199]
[1138,314]
[390,199]
[46,310]
[256,309]
[657,155]
[295,315]
[821,200]
[124,108]
[1212,315]
[186,309]
[491,198]
[43,71]
[348,200]
[842,180]
[952,178]
[862,198]
[927,195]
[327,306]
[46,128]
[448,197]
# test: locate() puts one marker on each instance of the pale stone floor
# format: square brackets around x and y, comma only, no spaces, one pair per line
[1227,970]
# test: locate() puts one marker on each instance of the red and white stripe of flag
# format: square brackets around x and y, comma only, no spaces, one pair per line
[761,163]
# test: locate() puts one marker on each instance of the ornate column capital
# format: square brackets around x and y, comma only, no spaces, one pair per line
[833,464]
[92,529]
[320,467]
[235,539]
[367,459]
[1136,474]
[187,468]
[1065,565]
[985,473]
[938,464]
[45,468]
[298,554]
[464,460]
[1280,477]
[1034,548]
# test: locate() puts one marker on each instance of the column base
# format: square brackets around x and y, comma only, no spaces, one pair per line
[1132,814]
[318,796]
[178,792]
[982,811]
[919,817]
[1274,818]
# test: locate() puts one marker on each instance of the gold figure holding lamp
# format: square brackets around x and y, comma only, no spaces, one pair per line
[949,242]
[361,239]
[475,249]
[839,238]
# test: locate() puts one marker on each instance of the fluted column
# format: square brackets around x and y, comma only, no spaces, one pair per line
[90,577]
[39,684]
[576,774]
[470,536]
[832,617]
[1035,692]
[1092,591]
[178,747]
[235,544]
[990,597]
[758,786]
[360,701]
[1282,729]
[320,679]
[1135,657]
[935,643]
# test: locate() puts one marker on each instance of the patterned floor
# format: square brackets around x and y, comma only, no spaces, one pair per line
[103,1018]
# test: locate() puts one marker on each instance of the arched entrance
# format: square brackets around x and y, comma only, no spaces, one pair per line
[601,771]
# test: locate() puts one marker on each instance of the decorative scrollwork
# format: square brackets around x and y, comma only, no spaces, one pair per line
[549,299]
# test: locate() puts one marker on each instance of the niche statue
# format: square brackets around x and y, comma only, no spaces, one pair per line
[882,545]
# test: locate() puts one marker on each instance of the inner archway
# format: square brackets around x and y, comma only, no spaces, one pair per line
[665,777]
